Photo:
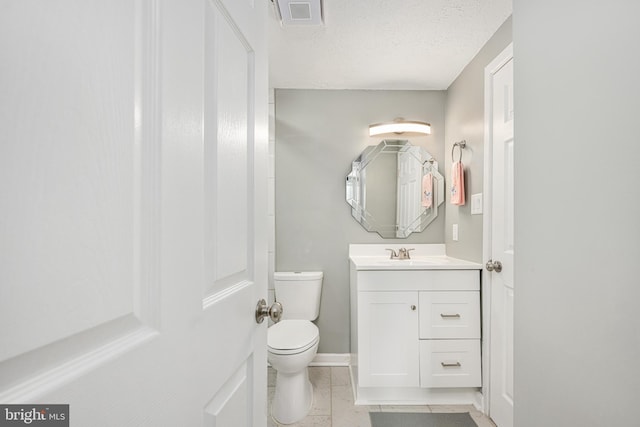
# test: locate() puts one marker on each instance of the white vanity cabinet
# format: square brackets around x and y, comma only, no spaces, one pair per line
[415,334]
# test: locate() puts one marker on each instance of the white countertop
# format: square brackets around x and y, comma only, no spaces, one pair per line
[423,257]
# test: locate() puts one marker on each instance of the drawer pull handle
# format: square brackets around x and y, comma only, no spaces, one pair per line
[448,316]
[450,365]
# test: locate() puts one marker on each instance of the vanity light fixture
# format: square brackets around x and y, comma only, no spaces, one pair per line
[400,126]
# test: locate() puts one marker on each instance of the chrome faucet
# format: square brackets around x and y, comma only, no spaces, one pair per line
[404,253]
[401,254]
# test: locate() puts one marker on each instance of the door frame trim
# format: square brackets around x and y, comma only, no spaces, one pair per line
[492,68]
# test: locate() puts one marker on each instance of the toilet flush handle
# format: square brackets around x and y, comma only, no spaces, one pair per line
[263,310]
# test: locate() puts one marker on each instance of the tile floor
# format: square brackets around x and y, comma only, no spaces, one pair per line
[333,403]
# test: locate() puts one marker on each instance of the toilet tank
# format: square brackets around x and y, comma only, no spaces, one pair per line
[299,294]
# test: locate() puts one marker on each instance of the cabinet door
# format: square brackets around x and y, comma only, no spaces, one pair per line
[388,339]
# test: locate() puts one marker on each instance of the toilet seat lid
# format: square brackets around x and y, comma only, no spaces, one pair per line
[292,334]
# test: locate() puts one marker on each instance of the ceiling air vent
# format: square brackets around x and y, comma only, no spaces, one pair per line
[297,12]
[300,11]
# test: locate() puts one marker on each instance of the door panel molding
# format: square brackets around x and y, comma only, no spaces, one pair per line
[148,141]
[232,398]
[228,153]
[69,359]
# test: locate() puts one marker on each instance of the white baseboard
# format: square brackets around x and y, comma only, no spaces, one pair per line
[331,359]
[479,402]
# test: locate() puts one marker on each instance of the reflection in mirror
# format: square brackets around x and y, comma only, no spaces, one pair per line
[394,188]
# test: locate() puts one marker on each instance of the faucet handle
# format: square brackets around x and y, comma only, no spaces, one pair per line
[393,253]
[407,250]
[403,253]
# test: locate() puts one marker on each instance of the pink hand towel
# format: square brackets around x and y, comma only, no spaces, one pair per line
[457,184]
[427,190]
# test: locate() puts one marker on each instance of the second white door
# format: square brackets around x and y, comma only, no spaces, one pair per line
[499,274]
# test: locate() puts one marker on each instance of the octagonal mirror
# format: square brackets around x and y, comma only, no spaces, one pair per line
[394,188]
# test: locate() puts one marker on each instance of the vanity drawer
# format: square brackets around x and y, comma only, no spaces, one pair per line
[449,315]
[450,363]
[418,280]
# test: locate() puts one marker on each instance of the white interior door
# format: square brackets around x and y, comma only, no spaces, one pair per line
[499,87]
[133,154]
[409,193]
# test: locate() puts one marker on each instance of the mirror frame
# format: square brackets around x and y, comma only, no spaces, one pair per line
[356,191]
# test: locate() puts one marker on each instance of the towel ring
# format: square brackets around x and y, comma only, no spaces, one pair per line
[460,145]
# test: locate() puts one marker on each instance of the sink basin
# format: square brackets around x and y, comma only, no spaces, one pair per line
[408,262]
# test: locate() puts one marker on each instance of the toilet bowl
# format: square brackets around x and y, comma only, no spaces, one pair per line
[292,344]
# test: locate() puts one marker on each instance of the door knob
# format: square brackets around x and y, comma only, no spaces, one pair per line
[494,266]
[263,310]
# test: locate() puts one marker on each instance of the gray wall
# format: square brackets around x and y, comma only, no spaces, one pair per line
[577,207]
[464,119]
[318,134]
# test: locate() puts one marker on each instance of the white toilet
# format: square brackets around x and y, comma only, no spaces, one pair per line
[293,343]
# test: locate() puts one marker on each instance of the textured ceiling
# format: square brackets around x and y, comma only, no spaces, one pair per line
[383,44]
